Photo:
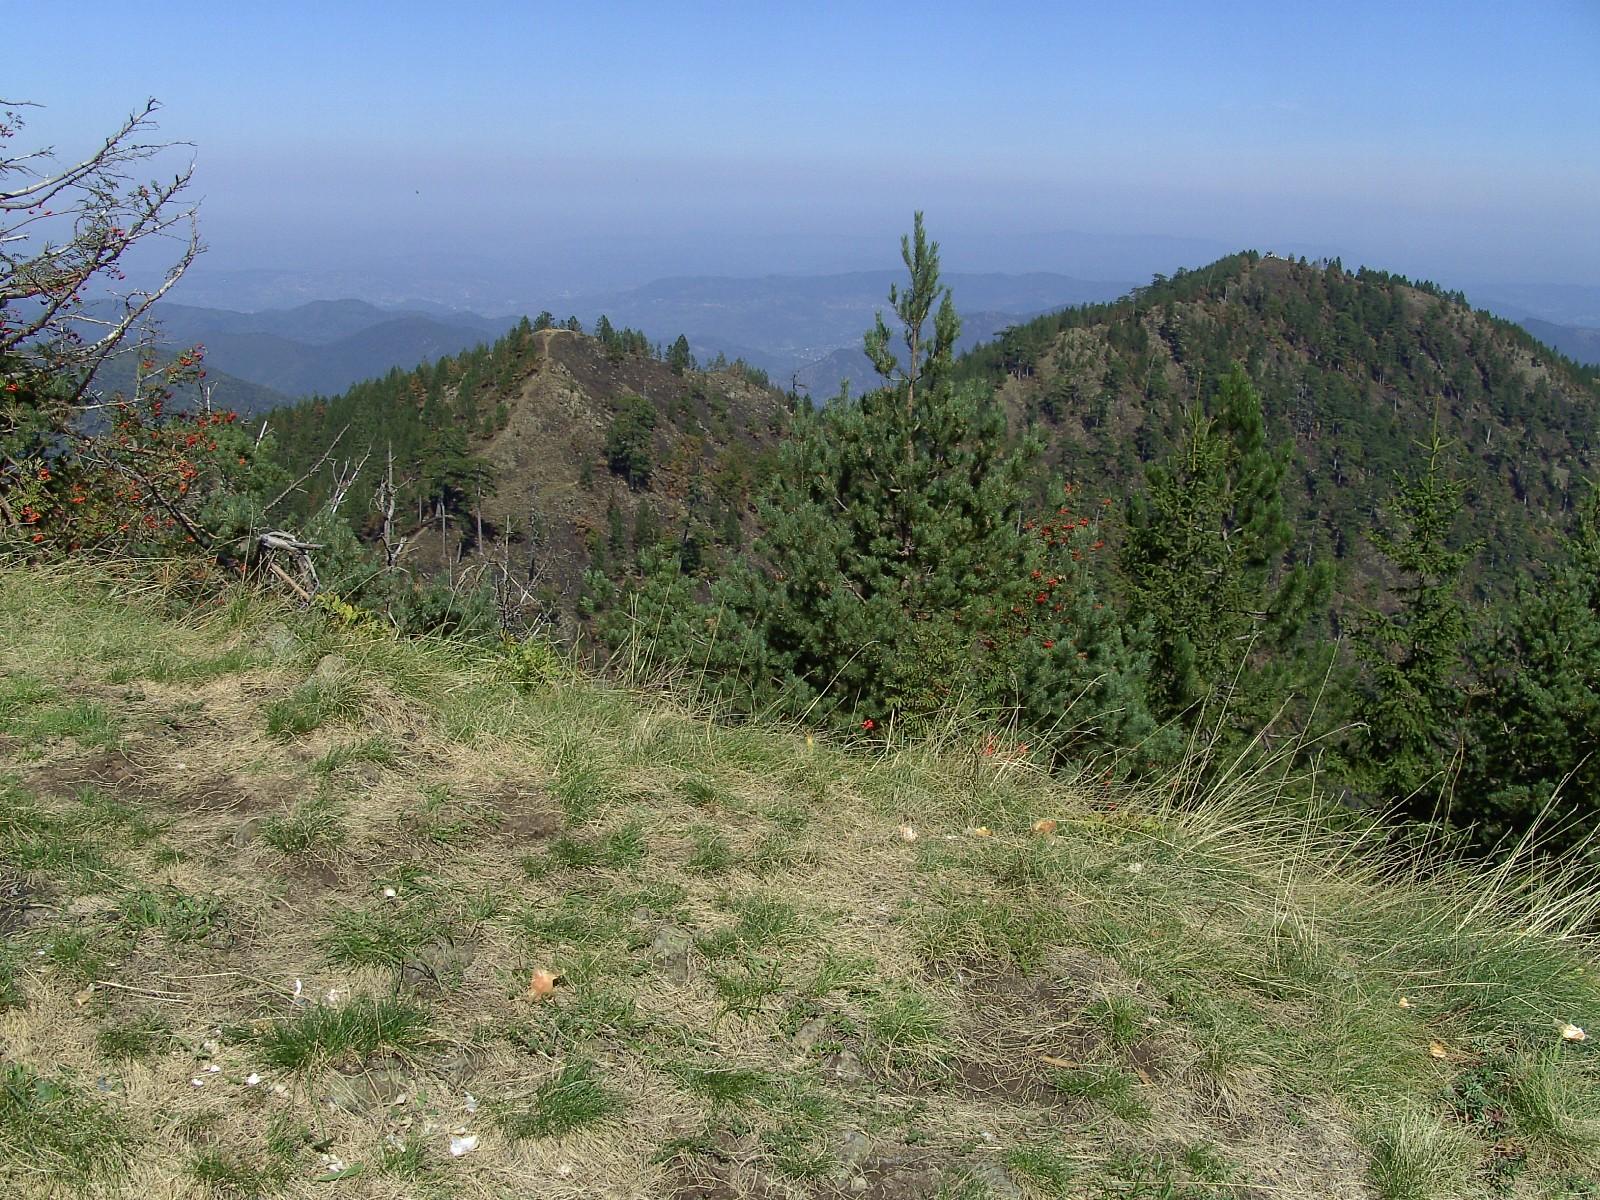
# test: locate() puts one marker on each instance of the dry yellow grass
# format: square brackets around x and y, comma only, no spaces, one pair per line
[766,989]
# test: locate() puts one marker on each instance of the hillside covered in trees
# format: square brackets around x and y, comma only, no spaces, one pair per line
[1058,772]
[1353,368]
[550,450]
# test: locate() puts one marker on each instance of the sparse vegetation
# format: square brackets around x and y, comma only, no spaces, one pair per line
[765,956]
[574,1099]
[346,1032]
[51,1128]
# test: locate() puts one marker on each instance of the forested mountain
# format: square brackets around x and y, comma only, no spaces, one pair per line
[1353,368]
[227,391]
[324,346]
[557,449]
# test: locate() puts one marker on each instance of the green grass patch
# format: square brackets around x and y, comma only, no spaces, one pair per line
[853,974]
[445,819]
[725,1085]
[574,1099]
[376,750]
[10,984]
[21,693]
[957,930]
[179,916]
[578,920]
[347,1032]
[165,666]
[620,849]
[51,1129]
[1121,1017]
[906,1025]
[317,701]
[86,722]
[800,1144]
[38,841]
[104,814]
[583,788]
[314,824]
[712,854]
[1416,1157]
[746,986]
[81,955]
[409,1160]
[143,1037]
[383,935]
[1110,1088]
[1046,1165]
[237,1173]
[759,924]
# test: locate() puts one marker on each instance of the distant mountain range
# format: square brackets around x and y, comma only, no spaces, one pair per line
[1579,344]
[804,329]
[322,347]
[116,377]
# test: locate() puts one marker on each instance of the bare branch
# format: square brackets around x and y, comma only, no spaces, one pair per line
[315,467]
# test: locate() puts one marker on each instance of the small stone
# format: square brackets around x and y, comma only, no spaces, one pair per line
[998,1184]
[247,831]
[671,950]
[854,1147]
[368,1092]
[845,1065]
[435,966]
[279,642]
[455,1065]
[809,1034]
[331,668]
[89,906]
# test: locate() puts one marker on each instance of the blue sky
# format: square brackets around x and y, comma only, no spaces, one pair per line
[1458,140]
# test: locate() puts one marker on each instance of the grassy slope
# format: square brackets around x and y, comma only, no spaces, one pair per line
[765,989]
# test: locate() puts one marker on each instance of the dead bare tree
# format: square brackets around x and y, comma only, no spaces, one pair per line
[65,230]
[279,542]
[344,476]
[384,498]
[521,612]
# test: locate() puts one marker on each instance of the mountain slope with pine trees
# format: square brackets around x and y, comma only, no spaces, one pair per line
[1354,369]
[549,453]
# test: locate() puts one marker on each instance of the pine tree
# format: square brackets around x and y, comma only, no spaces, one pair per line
[678,358]
[1411,701]
[895,555]
[1533,735]
[629,440]
[1205,564]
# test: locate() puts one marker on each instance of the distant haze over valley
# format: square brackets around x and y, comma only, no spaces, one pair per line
[804,329]
[300,333]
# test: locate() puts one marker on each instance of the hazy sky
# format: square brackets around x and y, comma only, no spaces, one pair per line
[588,143]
